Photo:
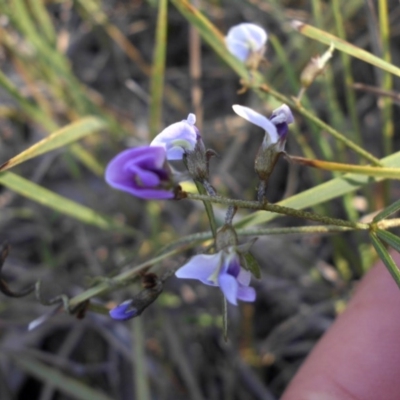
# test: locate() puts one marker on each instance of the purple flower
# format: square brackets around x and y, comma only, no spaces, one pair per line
[245,39]
[123,311]
[276,128]
[141,171]
[222,269]
[178,138]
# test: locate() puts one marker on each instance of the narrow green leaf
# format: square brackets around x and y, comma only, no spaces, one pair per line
[320,194]
[140,378]
[387,211]
[386,258]
[43,19]
[62,137]
[252,265]
[58,203]
[157,73]
[389,238]
[387,173]
[346,47]
[61,381]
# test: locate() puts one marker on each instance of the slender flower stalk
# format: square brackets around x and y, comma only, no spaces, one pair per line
[276,208]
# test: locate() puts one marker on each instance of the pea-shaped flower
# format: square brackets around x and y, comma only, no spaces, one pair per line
[276,127]
[178,138]
[222,269]
[273,144]
[142,172]
[245,40]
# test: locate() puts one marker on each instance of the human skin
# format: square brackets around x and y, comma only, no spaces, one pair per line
[359,356]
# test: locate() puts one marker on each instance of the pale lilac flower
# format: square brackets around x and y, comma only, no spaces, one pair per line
[123,311]
[178,138]
[222,269]
[245,39]
[142,172]
[276,127]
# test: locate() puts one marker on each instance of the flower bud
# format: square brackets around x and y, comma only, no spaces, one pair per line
[178,138]
[247,43]
[315,67]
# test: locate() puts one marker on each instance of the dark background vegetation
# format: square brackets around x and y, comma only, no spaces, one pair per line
[306,280]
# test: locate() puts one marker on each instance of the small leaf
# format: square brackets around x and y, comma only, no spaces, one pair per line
[386,258]
[59,203]
[252,265]
[62,137]
[387,211]
[389,238]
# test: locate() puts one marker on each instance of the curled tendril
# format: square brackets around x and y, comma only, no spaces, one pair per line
[61,299]
[4,288]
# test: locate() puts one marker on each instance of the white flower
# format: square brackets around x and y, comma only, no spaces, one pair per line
[276,128]
[178,137]
[244,39]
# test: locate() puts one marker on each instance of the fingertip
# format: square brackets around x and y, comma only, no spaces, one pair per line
[359,357]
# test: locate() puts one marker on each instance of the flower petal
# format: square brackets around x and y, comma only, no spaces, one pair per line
[245,293]
[180,135]
[238,49]
[140,171]
[122,312]
[245,38]
[257,119]
[229,287]
[200,267]
[282,114]
[244,277]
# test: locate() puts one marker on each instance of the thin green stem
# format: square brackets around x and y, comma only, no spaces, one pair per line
[320,229]
[254,205]
[382,172]
[116,282]
[208,206]
[141,380]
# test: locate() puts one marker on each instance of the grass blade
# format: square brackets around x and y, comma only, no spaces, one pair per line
[386,258]
[56,202]
[62,137]
[382,172]
[387,211]
[340,44]
[157,73]
[389,238]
